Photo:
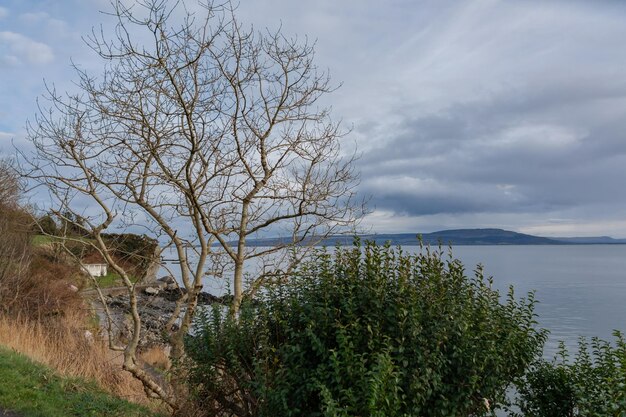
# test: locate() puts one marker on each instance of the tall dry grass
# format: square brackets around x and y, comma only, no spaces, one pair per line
[42,317]
[41,314]
[63,345]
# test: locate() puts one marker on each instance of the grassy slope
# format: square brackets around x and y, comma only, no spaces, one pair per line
[112,279]
[35,391]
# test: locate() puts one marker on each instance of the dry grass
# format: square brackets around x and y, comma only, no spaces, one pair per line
[44,317]
[156,357]
[62,344]
[40,287]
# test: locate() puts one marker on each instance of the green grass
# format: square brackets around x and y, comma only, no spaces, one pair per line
[112,279]
[39,240]
[33,390]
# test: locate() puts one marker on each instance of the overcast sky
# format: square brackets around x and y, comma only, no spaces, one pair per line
[508,114]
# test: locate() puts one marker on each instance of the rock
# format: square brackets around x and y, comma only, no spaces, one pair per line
[153,266]
[152,290]
[73,288]
[173,295]
[160,305]
[167,283]
[155,306]
[206,298]
[168,279]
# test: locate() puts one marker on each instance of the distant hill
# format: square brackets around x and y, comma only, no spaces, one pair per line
[485,237]
[456,237]
[592,240]
[452,237]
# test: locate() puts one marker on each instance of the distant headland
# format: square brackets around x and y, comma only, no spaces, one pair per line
[456,237]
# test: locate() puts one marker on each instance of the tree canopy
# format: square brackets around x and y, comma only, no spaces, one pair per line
[201,131]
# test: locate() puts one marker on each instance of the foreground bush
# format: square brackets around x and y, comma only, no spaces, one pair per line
[593,384]
[366,331]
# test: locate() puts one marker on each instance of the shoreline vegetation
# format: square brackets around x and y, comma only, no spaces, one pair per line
[45,317]
[374,304]
[57,321]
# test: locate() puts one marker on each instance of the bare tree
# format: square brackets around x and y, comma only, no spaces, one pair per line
[14,237]
[207,134]
[9,184]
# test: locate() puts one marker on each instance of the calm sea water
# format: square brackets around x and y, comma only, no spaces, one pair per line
[581,288]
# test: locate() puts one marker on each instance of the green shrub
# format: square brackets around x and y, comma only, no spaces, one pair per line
[593,385]
[367,331]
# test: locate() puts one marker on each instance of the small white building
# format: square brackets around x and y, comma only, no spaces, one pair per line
[96,270]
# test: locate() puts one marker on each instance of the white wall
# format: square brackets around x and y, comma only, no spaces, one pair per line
[96,270]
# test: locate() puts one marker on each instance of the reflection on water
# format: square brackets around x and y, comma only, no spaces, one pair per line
[581,288]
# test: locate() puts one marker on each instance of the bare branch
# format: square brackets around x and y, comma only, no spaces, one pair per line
[202,132]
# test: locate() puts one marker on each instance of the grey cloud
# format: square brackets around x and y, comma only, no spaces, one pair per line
[529,146]
[484,113]
[446,198]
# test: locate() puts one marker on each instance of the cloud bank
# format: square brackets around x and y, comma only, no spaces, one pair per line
[466,114]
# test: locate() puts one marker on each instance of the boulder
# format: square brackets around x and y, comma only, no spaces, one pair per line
[152,290]
[167,282]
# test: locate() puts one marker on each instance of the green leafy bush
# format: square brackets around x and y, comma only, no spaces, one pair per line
[592,385]
[369,331]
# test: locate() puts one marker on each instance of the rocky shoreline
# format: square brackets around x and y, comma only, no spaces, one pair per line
[156,303]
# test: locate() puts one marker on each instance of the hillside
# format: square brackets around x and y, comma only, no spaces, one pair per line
[592,240]
[455,237]
[484,237]
[30,389]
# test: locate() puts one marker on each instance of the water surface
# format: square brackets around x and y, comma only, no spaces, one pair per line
[581,288]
